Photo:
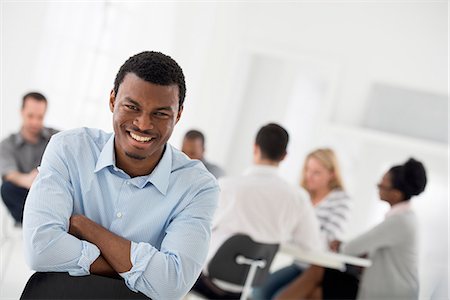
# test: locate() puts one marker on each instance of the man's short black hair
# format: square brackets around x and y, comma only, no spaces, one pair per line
[272,139]
[195,134]
[35,95]
[156,68]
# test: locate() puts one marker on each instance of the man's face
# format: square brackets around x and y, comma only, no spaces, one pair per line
[33,114]
[144,116]
[193,148]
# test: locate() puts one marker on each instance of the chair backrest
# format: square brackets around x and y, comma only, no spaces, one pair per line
[223,265]
[64,286]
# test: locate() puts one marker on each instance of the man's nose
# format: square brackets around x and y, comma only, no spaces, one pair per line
[143,122]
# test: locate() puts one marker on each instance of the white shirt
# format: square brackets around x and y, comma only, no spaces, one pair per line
[267,208]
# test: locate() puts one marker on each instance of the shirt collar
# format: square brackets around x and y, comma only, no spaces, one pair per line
[261,169]
[107,156]
[45,134]
[19,140]
[161,174]
[399,208]
[159,177]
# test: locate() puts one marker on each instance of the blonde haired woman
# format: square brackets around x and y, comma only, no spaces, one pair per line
[321,178]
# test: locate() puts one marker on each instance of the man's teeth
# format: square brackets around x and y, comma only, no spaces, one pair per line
[140,138]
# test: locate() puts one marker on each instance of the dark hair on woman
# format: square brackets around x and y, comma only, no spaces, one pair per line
[409,178]
[156,68]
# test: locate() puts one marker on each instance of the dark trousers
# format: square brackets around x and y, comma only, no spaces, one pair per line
[339,285]
[14,198]
[276,282]
[335,284]
[48,285]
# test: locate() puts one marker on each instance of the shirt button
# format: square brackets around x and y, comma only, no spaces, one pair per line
[128,182]
[119,215]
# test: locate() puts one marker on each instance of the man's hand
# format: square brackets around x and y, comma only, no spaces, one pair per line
[23,180]
[76,224]
[114,249]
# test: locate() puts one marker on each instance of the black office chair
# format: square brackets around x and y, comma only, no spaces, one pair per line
[241,263]
[64,286]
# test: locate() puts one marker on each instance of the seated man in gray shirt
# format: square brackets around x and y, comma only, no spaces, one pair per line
[21,153]
[194,147]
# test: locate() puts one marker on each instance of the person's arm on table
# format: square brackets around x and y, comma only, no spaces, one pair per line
[307,232]
[382,235]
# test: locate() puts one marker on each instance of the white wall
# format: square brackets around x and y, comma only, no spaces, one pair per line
[309,66]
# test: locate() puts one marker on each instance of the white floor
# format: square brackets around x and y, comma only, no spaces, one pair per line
[14,273]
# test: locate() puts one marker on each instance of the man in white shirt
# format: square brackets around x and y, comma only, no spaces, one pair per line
[263,205]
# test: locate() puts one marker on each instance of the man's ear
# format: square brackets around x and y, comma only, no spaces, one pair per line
[284,156]
[256,150]
[398,194]
[180,111]
[112,100]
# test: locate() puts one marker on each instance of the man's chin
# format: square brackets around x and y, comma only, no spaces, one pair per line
[33,131]
[134,156]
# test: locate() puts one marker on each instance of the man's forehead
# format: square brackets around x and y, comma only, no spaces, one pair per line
[33,102]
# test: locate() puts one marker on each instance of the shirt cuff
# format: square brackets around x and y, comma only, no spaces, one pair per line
[89,253]
[140,255]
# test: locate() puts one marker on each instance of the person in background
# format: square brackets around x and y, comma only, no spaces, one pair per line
[125,204]
[21,154]
[194,147]
[262,205]
[391,246]
[321,178]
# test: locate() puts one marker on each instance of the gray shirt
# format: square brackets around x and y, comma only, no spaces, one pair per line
[392,247]
[214,169]
[18,155]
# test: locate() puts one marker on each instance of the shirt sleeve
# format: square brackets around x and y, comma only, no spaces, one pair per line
[386,234]
[169,273]
[307,230]
[48,245]
[8,163]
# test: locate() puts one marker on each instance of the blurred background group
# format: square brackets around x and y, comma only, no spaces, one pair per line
[367,79]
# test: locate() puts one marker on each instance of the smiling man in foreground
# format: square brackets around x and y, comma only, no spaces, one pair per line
[126,203]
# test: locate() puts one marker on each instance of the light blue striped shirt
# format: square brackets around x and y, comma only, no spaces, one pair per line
[167,214]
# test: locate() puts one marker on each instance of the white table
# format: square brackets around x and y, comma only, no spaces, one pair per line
[325,259]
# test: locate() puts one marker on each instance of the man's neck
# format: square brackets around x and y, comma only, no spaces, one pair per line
[130,167]
[266,162]
[29,137]
[135,167]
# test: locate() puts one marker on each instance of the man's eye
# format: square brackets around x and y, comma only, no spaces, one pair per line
[132,107]
[160,114]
